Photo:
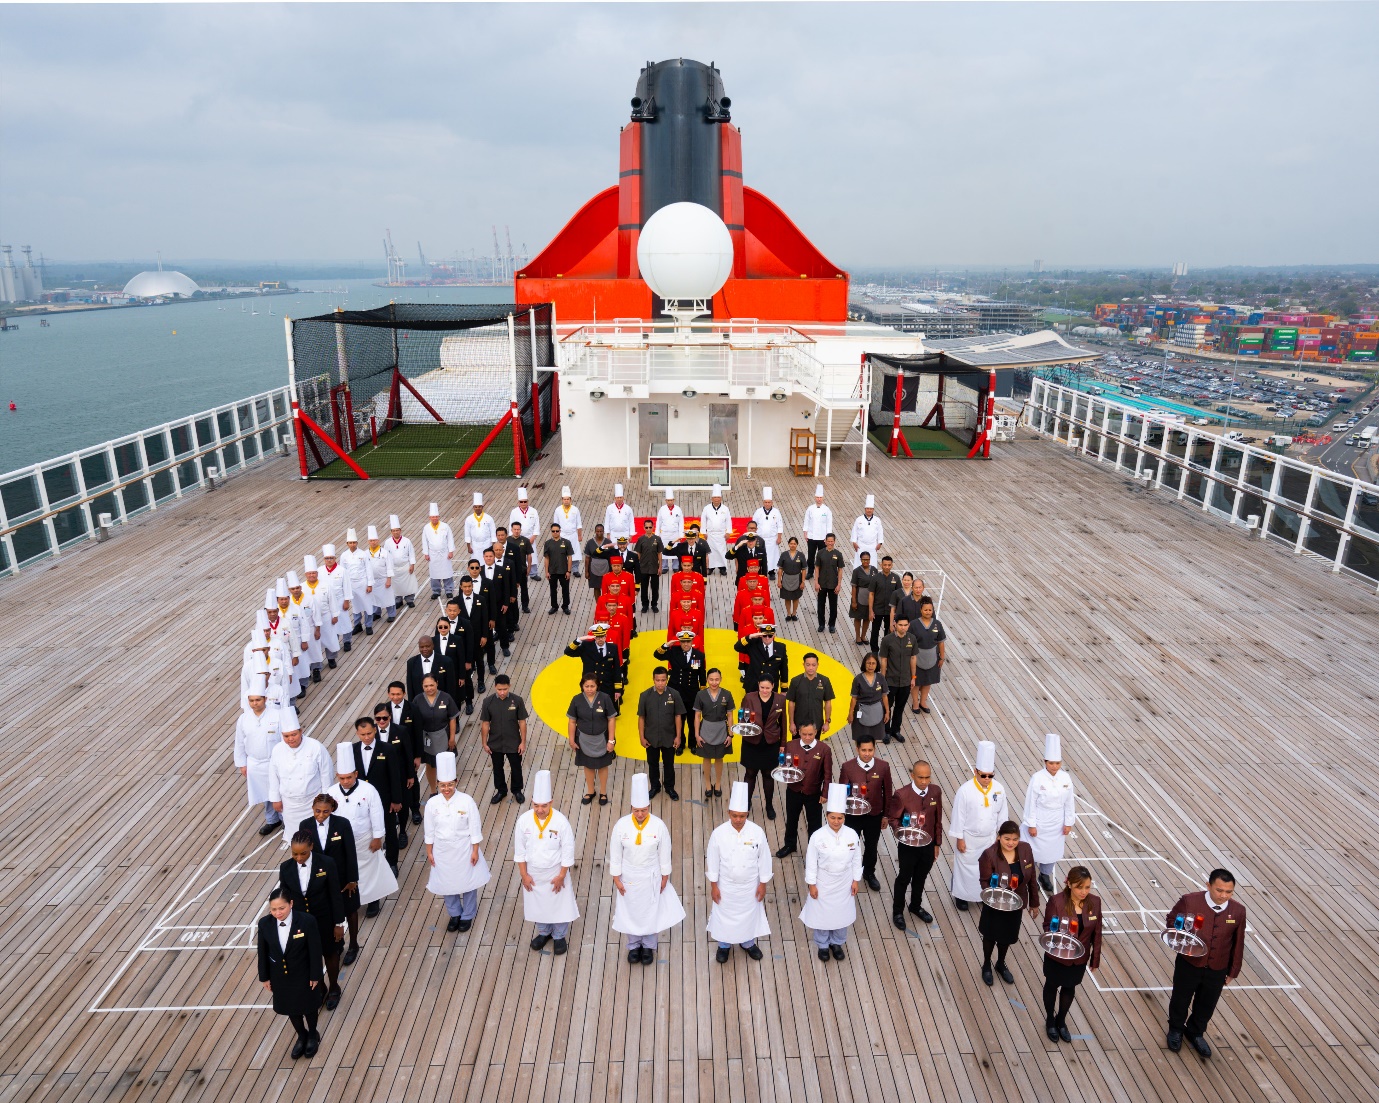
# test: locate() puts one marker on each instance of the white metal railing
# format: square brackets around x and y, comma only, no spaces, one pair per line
[48,507]
[1313,509]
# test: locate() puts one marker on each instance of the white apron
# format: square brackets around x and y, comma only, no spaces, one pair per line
[966,882]
[356,573]
[1047,803]
[404,560]
[438,542]
[542,851]
[378,571]
[323,608]
[360,807]
[644,909]
[300,776]
[716,523]
[836,856]
[738,916]
[448,831]
[768,528]
[259,735]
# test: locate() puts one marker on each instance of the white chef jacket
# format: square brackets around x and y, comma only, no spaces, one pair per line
[438,545]
[295,776]
[818,522]
[738,861]
[868,535]
[546,850]
[363,807]
[531,525]
[379,572]
[1050,806]
[451,828]
[570,523]
[479,533]
[325,612]
[403,558]
[641,857]
[619,522]
[771,529]
[832,862]
[255,738]
[716,523]
[358,573]
[974,818]
[670,525]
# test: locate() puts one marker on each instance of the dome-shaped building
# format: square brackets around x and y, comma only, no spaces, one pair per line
[161,285]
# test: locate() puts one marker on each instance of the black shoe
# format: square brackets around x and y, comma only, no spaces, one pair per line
[559,946]
[507,653]
[1006,974]
[646,608]
[634,956]
[1046,883]
[552,611]
[393,867]
[497,798]
[332,999]
[987,978]
[1175,1040]
[1051,1029]
[330,663]
[357,629]
[402,840]
[655,789]
[833,630]
[753,951]
[785,851]
[839,953]
[898,918]
[299,1048]
[603,799]
[519,797]
[588,798]
[655,608]
[823,954]
[351,956]
[313,1043]
[315,675]
[1066,1035]
[539,941]
[369,630]
[526,610]
[346,644]
[269,828]
[648,956]
[469,708]
[821,628]
[672,794]
[1200,1044]
[885,739]
[416,818]
[411,604]
[566,610]
[372,910]
[493,668]
[961,905]
[722,955]
[770,811]
[872,882]
[922,915]
[464,925]
[898,737]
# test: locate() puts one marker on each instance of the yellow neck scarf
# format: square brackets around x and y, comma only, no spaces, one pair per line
[640,828]
[541,824]
[986,793]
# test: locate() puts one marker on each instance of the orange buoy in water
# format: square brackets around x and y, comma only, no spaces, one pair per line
[13,407]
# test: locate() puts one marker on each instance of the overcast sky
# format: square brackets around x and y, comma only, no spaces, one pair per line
[893,134]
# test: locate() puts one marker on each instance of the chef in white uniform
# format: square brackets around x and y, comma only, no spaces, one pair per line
[543,848]
[298,769]
[257,672]
[452,833]
[567,516]
[283,634]
[771,529]
[257,731]
[716,522]
[979,808]
[325,611]
[403,557]
[337,581]
[818,523]
[832,869]
[354,560]
[360,804]
[379,567]
[523,514]
[480,530]
[670,527]
[738,866]
[438,547]
[303,609]
[1050,811]
[618,518]
[639,860]
[868,533]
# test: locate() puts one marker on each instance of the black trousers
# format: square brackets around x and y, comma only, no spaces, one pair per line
[914,864]
[900,696]
[651,589]
[522,587]
[464,680]
[500,784]
[563,583]
[808,803]
[390,821]
[412,802]
[656,758]
[869,827]
[829,598]
[880,624]
[815,547]
[768,786]
[1194,988]
[304,1025]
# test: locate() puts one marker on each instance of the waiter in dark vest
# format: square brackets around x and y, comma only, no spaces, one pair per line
[808,794]
[870,778]
[922,800]
[1219,921]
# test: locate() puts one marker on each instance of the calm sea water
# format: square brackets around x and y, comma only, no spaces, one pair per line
[93,375]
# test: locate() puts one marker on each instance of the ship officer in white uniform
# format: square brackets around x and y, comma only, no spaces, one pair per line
[639,860]
[438,548]
[868,534]
[1050,811]
[738,866]
[404,560]
[453,833]
[979,808]
[543,848]
[717,522]
[832,870]
[360,804]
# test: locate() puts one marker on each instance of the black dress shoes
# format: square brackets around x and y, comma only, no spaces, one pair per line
[519,797]
[402,840]
[1175,1040]
[961,905]
[823,954]
[754,952]
[416,819]
[540,941]
[1046,883]
[299,1048]
[560,946]
[332,999]
[785,852]
[872,882]
[648,956]
[372,910]
[269,828]
[313,1043]
[1064,1034]
[988,978]
[1051,1029]
[839,953]
[722,955]
[672,794]
[1200,1044]
[922,915]
[899,920]
[634,956]
[351,956]
[497,798]
[770,811]
[1006,974]
[464,925]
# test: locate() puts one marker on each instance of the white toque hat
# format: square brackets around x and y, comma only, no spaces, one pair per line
[541,788]
[765,493]
[289,721]
[986,756]
[393,522]
[565,492]
[372,533]
[521,493]
[818,490]
[670,494]
[434,510]
[261,621]
[280,589]
[351,537]
[837,798]
[716,491]
[344,759]
[641,791]
[293,582]
[309,564]
[478,497]
[270,598]
[1053,748]
[617,490]
[445,766]
[737,799]
[328,550]
[871,501]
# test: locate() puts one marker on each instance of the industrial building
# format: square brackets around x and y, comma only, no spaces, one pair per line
[925,318]
[18,285]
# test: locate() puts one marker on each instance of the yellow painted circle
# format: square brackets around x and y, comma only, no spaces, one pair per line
[559,682]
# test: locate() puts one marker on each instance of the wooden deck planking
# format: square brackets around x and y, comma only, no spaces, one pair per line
[1067,564]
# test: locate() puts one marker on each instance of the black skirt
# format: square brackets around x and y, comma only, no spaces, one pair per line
[927,677]
[1004,927]
[1065,974]
[760,756]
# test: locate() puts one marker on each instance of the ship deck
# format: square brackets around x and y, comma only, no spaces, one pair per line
[1216,702]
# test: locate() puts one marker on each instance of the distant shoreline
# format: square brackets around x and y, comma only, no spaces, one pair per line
[209,296]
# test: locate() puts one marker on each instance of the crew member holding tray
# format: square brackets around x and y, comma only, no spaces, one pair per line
[1219,921]
[1005,864]
[1075,912]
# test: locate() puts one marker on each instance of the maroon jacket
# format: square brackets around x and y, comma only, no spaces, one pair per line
[1224,933]
[992,861]
[1088,923]
[925,811]
[877,780]
[817,765]
[770,718]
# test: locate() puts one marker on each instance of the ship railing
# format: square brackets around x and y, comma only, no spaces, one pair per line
[1312,509]
[47,508]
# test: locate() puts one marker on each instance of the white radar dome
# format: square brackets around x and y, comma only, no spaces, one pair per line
[685,252]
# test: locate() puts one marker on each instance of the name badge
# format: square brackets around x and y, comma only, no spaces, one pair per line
[299,934]
[320,873]
[1230,920]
